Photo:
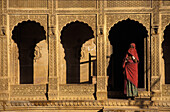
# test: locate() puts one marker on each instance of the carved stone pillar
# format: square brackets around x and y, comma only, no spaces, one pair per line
[155,52]
[53,90]
[101,56]
[4,85]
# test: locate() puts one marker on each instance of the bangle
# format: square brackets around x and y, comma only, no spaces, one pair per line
[133,57]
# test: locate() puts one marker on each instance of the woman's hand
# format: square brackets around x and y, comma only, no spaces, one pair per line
[129,58]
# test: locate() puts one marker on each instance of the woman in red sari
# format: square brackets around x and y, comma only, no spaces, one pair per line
[130,65]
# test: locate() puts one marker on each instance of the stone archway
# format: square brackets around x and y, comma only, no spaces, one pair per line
[73,36]
[121,35]
[26,35]
[166,53]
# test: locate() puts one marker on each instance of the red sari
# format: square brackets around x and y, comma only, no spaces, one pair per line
[131,68]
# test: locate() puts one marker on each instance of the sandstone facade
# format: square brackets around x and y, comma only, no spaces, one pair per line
[68,78]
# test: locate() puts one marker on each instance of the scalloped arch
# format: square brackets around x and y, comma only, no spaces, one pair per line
[115,26]
[165,32]
[88,31]
[120,36]
[19,25]
[26,35]
[166,55]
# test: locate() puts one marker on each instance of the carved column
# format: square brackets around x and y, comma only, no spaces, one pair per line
[155,53]
[4,80]
[53,89]
[101,55]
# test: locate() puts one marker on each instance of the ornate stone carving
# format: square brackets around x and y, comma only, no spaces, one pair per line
[3,31]
[76,89]
[13,21]
[165,21]
[12,11]
[153,53]
[25,92]
[115,18]
[165,90]
[128,3]
[155,5]
[4,84]
[37,53]
[28,4]
[62,21]
[65,19]
[166,3]
[52,58]
[155,41]
[143,94]
[155,83]
[76,4]
[4,96]
[4,2]
[53,83]
[90,104]
[101,83]
[39,12]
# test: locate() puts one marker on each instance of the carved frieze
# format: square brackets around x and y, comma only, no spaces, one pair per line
[76,89]
[128,3]
[76,3]
[28,4]
[143,94]
[166,3]
[28,90]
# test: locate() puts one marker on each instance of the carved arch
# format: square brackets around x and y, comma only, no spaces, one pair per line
[122,34]
[73,36]
[26,35]
[166,54]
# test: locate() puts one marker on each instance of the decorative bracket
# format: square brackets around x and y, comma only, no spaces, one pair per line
[3,31]
[155,29]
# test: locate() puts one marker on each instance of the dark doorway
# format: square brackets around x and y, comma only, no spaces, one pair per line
[121,35]
[73,36]
[166,53]
[26,35]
